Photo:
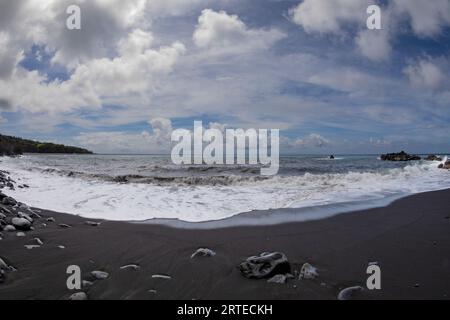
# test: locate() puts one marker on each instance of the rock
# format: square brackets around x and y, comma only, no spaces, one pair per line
[445,165]
[332,157]
[86,284]
[21,234]
[21,224]
[278,278]
[5,210]
[61,247]
[401,156]
[9,228]
[8,201]
[79,296]
[130,266]
[161,276]
[25,216]
[433,157]
[32,246]
[51,219]
[266,265]
[2,196]
[100,275]
[308,272]
[152,291]
[64,226]
[2,215]
[92,224]
[203,252]
[349,293]
[39,241]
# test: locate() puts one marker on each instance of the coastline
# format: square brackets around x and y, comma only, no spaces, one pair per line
[409,239]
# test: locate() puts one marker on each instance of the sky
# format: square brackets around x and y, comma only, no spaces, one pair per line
[138,69]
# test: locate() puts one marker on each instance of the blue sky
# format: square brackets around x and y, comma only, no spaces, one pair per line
[311,68]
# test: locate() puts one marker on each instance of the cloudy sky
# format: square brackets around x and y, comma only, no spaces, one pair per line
[139,68]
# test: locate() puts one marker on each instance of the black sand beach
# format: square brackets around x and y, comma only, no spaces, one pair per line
[409,239]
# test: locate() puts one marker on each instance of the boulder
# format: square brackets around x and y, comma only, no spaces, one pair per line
[401,156]
[9,228]
[21,224]
[8,201]
[445,165]
[266,265]
[433,157]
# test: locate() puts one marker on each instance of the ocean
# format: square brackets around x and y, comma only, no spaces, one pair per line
[145,187]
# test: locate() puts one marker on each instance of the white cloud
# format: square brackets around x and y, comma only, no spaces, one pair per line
[324,16]
[228,32]
[125,142]
[425,74]
[374,44]
[313,140]
[427,18]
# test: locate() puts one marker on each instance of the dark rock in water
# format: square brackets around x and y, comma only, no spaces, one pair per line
[21,224]
[266,265]
[332,157]
[444,165]
[433,157]
[8,201]
[402,156]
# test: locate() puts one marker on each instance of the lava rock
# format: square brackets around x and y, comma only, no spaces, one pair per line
[21,224]
[433,157]
[100,275]
[9,228]
[401,156]
[92,224]
[8,201]
[308,272]
[79,296]
[266,265]
[349,293]
[203,252]
[445,165]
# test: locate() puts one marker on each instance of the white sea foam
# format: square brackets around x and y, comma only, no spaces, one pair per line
[96,198]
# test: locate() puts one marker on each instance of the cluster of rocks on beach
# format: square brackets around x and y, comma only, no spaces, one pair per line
[403,157]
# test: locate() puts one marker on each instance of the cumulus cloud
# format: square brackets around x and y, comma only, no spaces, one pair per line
[313,140]
[425,74]
[427,18]
[325,16]
[337,17]
[228,32]
[126,142]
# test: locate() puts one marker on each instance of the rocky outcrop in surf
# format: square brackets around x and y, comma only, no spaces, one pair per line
[445,165]
[401,156]
[433,157]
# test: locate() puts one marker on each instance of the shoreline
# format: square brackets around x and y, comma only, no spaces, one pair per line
[409,239]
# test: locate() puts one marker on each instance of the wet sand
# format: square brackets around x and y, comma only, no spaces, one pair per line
[409,239]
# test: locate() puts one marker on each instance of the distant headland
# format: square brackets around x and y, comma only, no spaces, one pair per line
[10,146]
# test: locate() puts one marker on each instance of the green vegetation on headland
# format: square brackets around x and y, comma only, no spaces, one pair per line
[10,146]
